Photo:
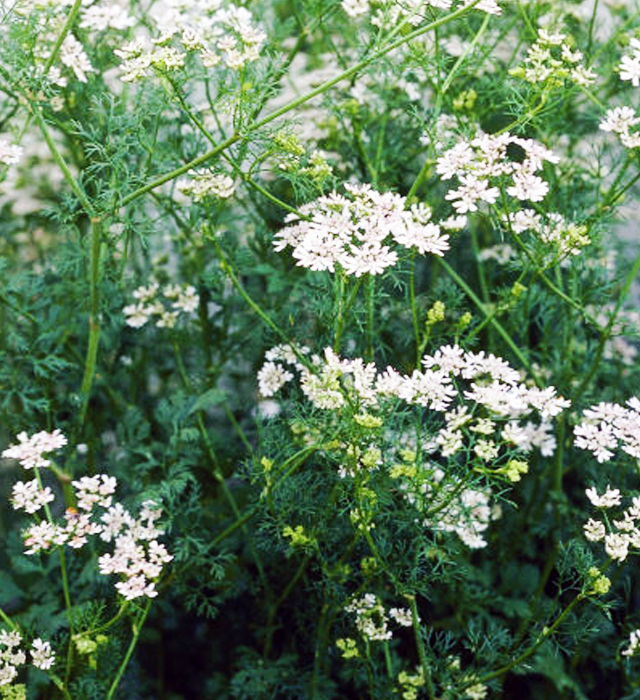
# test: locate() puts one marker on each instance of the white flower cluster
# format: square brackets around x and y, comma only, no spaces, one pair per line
[608,426]
[499,402]
[272,376]
[149,304]
[9,153]
[203,183]
[31,451]
[464,511]
[630,64]
[618,535]
[565,237]
[105,15]
[551,59]
[12,656]
[372,620]
[353,233]
[138,557]
[73,55]
[475,163]
[218,35]
[620,120]
[390,12]
[634,644]
[28,496]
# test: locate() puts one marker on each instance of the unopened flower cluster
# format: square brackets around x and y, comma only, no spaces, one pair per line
[618,535]
[202,184]
[388,13]
[293,158]
[355,233]
[483,163]
[13,655]
[218,35]
[565,237]
[165,306]
[551,61]
[137,556]
[609,426]
[372,620]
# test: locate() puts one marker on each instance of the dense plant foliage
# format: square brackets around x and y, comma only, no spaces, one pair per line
[318,349]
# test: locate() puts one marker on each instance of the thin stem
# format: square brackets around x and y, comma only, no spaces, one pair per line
[338,324]
[606,333]
[107,624]
[461,59]
[494,321]
[370,328]
[414,306]
[592,23]
[63,35]
[62,164]
[342,313]
[236,168]
[137,628]
[94,319]
[7,620]
[422,654]
[59,685]
[225,266]
[65,582]
[544,635]
[296,103]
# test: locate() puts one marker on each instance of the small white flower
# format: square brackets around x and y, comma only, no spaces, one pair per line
[42,655]
[611,497]
[594,530]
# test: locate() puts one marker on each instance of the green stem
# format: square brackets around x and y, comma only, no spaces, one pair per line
[225,266]
[283,596]
[606,333]
[549,284]
[94,319]
[496,324]
[422,654]
[592,23]
[137,628]
[296,103]
[63,35]
[106,625]
[461,59]
[338,324]
[236,168]
[414,307]
[387,660]
[543,636]
[65,583]
[59,685]
[62,164]
[370,328]
[8,621]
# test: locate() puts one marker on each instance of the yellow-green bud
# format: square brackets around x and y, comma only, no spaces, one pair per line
[366,420]
[435,313]
[348,648]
